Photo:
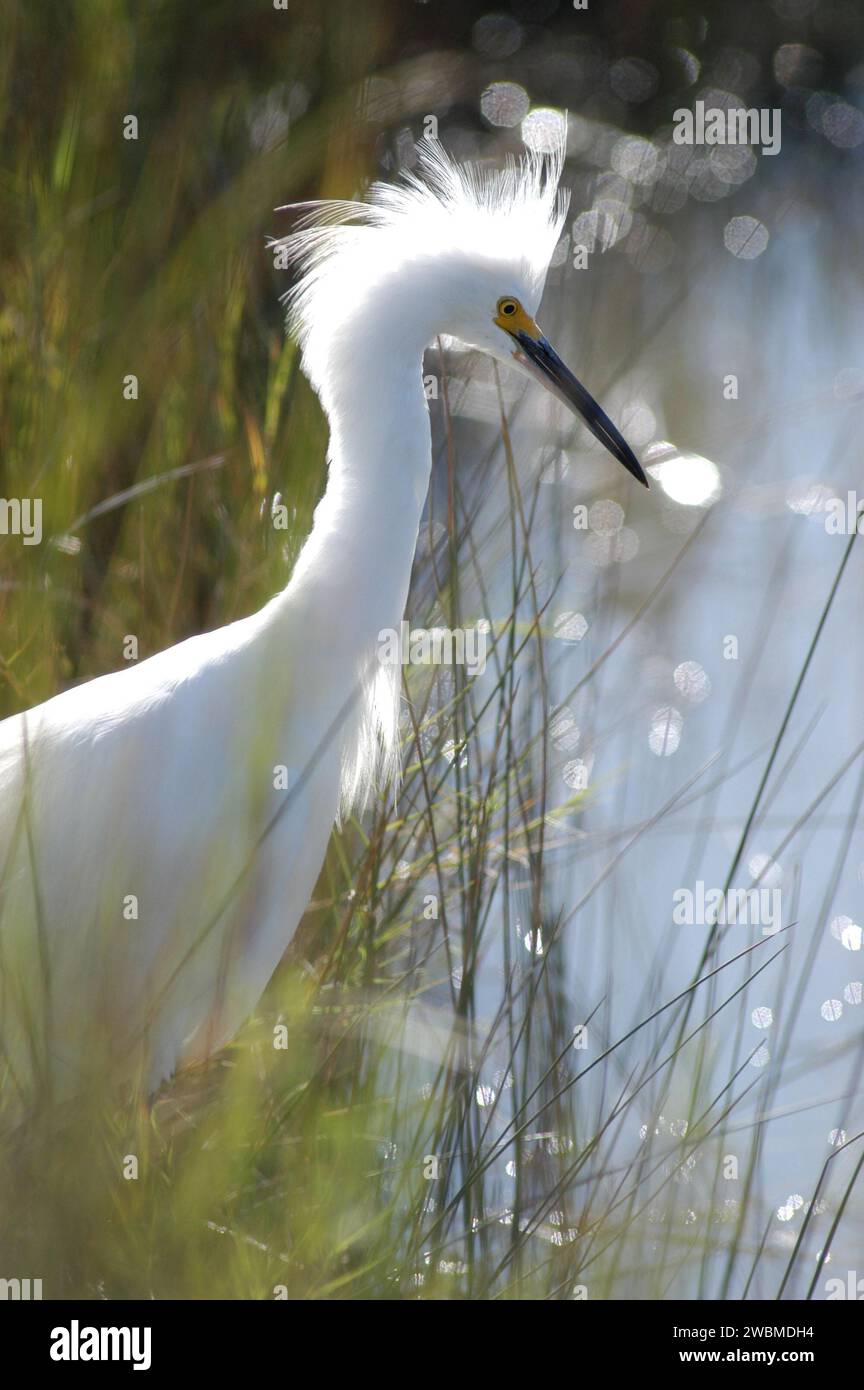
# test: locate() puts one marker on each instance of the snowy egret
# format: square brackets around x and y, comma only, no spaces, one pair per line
[161,828]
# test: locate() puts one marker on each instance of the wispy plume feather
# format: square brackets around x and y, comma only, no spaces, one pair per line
[514,212]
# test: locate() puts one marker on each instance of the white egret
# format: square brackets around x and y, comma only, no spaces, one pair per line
[162,827]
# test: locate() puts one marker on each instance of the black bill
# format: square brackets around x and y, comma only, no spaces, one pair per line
[541,359]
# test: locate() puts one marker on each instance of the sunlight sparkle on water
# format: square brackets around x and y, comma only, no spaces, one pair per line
[542,129]
[606,517]
[504,103]
[616,547]
[533,942]
[847,932]
[665,736]
[790,1207]
[564,731]
[808,498]
[745,237]
[570,627]
[575,774]
[689,479]
[692,681]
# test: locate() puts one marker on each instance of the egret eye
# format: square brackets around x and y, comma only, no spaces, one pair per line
[508,307]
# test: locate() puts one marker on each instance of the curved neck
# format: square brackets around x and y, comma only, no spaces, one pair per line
[352,577]
[355,568]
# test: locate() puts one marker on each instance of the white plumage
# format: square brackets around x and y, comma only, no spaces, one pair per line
[154,858]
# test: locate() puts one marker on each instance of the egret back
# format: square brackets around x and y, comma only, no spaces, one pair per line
[159,838]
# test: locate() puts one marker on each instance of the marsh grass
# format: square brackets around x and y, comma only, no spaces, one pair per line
[423,1134]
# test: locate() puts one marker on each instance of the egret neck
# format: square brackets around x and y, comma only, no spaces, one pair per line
[380,459]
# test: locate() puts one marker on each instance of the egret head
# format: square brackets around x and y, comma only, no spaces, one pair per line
[451,249]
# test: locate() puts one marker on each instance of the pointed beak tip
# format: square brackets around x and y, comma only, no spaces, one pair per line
[620,450]
[640,477]
[539,358]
